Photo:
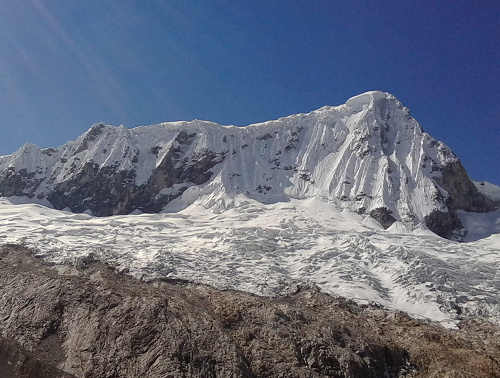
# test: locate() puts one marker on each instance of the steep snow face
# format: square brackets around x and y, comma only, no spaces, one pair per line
[369,156]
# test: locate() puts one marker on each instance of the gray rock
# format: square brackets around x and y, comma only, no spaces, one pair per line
[463,194]
[383,216]
[93,322]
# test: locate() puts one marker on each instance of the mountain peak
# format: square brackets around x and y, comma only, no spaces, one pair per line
[345,197]
[368,98]
[368,156]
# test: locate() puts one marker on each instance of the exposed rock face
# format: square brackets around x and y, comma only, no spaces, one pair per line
[445,224]
[91,322]
[463,194]
[366,155]
[18,183]
[109,191]
[383,216]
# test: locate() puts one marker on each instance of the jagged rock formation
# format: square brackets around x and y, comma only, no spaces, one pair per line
[368,155]
[91,322]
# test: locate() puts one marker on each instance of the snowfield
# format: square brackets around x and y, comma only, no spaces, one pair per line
[271,249]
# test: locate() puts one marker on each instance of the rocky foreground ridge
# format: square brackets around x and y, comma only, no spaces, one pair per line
[92,322]
[369,156]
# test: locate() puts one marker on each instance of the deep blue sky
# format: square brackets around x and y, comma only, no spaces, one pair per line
[65,65]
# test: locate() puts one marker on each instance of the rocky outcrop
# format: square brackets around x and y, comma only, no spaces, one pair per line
[383,216]
[445,224]
[92,322]
[18,183]
[109,191]
[463,194]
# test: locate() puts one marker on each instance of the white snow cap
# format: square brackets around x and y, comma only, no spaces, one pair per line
[367,98]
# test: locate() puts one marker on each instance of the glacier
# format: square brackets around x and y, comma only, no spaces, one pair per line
[355,199]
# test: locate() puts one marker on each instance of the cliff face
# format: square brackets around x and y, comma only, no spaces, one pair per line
[91,322]
[369,156]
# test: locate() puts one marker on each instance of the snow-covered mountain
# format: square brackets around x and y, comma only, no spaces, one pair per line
[369,156]
[344,198]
